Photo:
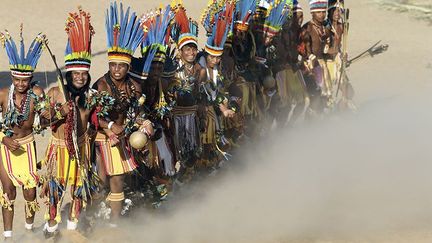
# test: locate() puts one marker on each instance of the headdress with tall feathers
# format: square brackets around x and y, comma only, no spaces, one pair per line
[184,30]
[20,63]
[124,33]
[78,48]
[218,26]
[154,46]
[208,17]
[278,13]
[261,9]
[244,11]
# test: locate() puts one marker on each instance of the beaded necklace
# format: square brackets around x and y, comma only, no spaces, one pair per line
[16,116]
[123,100]
[187,77]
[24,108]
[320,30]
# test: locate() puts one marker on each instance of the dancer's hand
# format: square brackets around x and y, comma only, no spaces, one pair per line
[11,143]
[65,109]
[114,140]
[47,114]
[228,113]
[117,129]
[147,128]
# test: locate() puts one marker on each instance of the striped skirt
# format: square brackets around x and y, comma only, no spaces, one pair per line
[60,165]
[115,160]
[20,165]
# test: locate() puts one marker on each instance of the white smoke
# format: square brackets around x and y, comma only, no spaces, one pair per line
[343,178]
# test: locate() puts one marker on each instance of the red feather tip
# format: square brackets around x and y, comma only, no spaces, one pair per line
[80,31]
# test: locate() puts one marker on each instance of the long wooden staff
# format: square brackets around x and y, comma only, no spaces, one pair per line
[344,50]
[66,96]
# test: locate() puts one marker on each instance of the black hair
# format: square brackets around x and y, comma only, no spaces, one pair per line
[77,92]
[330,13]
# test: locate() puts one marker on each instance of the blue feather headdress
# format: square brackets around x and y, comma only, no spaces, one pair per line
[124,33]
[244,11]
[154,46]
[20,63]
[218,24]
[277,14]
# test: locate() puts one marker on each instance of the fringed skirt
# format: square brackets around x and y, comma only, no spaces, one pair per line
[61,166]
[186,132]
[160,156]
[209,136]
[64,170]
[249,105]
[291,87]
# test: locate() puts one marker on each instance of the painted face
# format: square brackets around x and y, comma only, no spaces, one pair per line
[118,70]
[319,17]
[156,70]
[188,53]
[80,78]
[212,61]
[21,84]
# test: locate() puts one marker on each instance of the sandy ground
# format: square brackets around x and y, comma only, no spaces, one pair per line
[387,149]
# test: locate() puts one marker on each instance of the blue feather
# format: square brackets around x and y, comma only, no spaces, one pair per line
[128,30]
[108,29]
[123,32]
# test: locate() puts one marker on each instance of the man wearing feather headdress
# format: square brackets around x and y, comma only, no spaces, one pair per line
[184,90]
[279,15]
[151,72]
[66,164]
[239,51]
[113,152]
[291,87]
[217,21]
[315,38]
[21,103]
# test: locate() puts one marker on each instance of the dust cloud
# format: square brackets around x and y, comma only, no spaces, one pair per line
[344,178]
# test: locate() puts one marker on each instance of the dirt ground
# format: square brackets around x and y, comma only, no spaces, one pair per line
[388,87]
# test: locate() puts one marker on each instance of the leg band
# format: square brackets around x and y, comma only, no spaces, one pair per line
[115,197]
[31,207]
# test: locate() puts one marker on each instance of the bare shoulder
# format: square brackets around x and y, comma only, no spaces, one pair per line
[37,90]
[4,94]
[199,68]
[4,91]
[137,86]
[305,27]
[101,85]
[53,92]
[202,74]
